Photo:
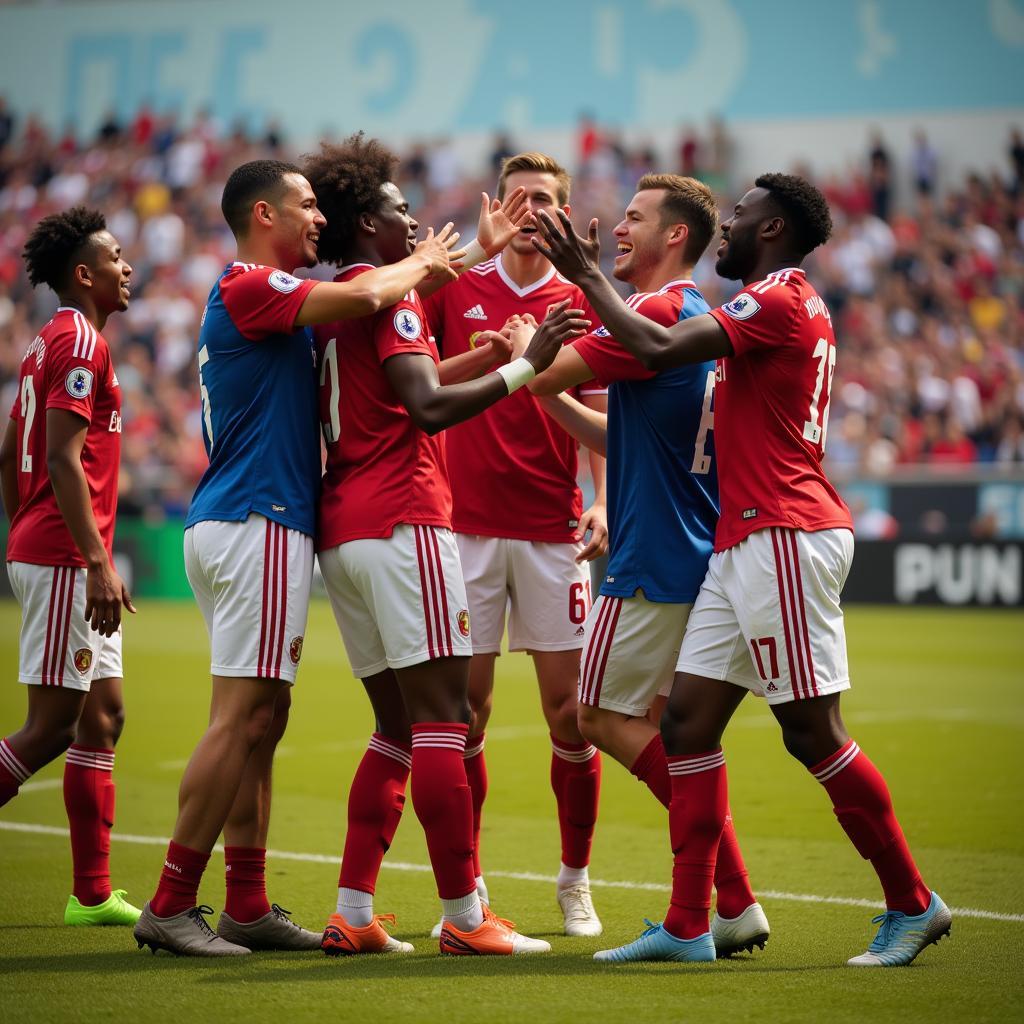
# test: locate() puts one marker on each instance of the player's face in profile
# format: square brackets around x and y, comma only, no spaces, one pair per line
[739,249]
[109,273]
[541,194]
[298,223]
[395,226]
[640,237]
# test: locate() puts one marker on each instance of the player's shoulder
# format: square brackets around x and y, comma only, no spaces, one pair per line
[69,333]
[662,305]
[777,294]
[247,276]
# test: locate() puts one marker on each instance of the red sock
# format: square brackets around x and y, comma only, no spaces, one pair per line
[444,805]
[732,884]
[576,782]
[476,776]
[696,817]
[245,872]
[651,768]
[375,802]
[13,772]
[861,801]
[89,802]
[178,889]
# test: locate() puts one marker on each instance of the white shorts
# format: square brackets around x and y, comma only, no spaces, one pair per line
[251,581]
[768,618]
[400,600]
[541,587]
[56,646]
[631,652]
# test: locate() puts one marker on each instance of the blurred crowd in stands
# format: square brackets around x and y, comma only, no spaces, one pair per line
[926,285]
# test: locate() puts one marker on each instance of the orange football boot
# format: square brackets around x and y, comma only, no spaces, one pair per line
[344,939]
[495,937]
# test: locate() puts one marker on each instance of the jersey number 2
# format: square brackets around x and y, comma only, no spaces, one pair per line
[28,414]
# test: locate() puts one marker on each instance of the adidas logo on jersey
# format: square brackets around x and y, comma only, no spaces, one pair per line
[476,313]
[581,631]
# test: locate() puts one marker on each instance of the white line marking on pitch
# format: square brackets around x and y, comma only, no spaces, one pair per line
[34,787]
[518,876]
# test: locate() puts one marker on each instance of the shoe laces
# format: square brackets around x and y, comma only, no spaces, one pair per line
[580,898]
[196,915]
[652,927]
[886,921]
[281,914]
[383,919]
[490,915]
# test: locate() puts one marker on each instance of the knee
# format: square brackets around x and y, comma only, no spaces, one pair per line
[562,716]
[682,731]
[593,725]
[261,722]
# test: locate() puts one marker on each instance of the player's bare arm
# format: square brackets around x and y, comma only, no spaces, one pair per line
[586,425]
[9,469]
[434,406]
[105,591]
[382,287]
[690,341]
[496,350]
[595,519]
[499,222]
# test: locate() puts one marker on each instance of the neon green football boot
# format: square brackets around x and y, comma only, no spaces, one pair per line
[115,909]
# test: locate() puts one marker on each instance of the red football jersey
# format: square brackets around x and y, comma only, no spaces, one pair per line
[512,468]
[771,410]
[382,469]
[68,366]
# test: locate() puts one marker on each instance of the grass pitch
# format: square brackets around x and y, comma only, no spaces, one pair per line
[937,703]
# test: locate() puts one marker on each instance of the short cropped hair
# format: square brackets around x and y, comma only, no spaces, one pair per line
[687,200]
[541,163]
[348,179]
[248,184]
[803,207]
[58,243]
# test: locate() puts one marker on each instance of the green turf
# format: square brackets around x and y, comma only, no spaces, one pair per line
[937,703]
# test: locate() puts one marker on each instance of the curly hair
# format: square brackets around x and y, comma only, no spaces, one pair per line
[249,183]
[803,206]
[56,245]
[348,179]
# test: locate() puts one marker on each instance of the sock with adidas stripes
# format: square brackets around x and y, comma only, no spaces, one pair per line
[375,803]
[861,801]
[576,783]
[696,817]
[444,806]
[13,772]
[89,802]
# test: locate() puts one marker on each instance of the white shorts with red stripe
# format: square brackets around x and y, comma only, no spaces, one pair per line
[56,646]
[768,617]
[251,581]
[398,600]
[630,653]
[540,586]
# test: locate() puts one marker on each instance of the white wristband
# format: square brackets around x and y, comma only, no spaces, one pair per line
[474,254]
[517,373]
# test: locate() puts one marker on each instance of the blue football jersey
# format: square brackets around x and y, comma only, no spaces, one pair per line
[662,484]
[257,379]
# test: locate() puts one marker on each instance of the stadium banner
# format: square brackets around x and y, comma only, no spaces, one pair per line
[937,571]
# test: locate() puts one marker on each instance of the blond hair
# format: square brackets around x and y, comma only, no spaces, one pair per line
[540,163]
[687,200]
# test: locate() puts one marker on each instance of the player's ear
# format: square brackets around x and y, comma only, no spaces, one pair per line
[262,213]
[772,227]
[81,275]
[366,223]
[678,234]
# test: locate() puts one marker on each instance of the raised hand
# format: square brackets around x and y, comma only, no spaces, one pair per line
[559,326]
[572,256]
[440,250]
[499,221]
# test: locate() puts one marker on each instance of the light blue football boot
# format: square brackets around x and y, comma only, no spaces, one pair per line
[901,937]
[657,944]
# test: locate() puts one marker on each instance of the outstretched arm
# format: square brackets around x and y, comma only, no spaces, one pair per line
[379,288]
[694,340]
[434,406]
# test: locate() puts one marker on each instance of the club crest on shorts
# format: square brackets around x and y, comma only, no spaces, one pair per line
[463,620]
[408,325]
[83,659]
[295,649]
